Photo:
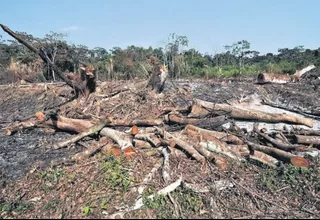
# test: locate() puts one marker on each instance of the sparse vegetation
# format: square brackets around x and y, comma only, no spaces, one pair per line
[116,173]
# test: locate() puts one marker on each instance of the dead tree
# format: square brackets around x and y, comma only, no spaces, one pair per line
[43,55]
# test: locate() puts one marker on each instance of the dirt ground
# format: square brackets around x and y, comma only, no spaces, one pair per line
[103,186]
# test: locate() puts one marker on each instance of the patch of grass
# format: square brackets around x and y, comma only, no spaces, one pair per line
[13,208]
[290,176]
[87,210]
[116,173]
[190,202]
[52,175]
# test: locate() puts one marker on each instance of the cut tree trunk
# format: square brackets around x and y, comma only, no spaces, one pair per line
[302,139]
[280,155]
[245,114]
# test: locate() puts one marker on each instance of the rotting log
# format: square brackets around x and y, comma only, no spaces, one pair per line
[207,134]
[246,114]
[280,155]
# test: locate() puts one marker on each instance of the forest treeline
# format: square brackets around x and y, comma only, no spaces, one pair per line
[17,62]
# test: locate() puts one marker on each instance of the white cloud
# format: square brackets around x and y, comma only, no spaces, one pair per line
[71,28]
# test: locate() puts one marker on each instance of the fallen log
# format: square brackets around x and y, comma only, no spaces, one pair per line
[207,134]
[218,160]
[90,131]
[122,139]
[210,122]
[279,144]
[302,139]
[264,158]
[184,145]
[220,148]
[245,114]
[80,125]
[282,78]
[137,122]
[66,124]
[280,155]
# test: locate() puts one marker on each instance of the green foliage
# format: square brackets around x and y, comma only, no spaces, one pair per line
[116,173]
[131,62]
[52,175]
[87,210]
[290,176]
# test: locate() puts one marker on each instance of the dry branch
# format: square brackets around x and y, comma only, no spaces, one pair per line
[280,155]
[90,131]
[277,143]
[184,145]
[238,113]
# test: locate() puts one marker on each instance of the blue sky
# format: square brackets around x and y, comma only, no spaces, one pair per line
[208,24]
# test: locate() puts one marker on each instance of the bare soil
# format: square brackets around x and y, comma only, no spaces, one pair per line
[100,186]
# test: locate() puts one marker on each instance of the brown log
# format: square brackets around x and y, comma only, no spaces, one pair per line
[218,160]
[273,78]
[211,122]
[221,148]
[80,125]
[184,145]
[264,158]
[69,124]
[302,139]
[41,54]
[207,134]
[238,113]
[90,131]
[137,122]
[196,110]
[243,149]
[281,155]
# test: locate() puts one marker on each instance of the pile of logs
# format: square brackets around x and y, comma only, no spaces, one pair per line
[202,134]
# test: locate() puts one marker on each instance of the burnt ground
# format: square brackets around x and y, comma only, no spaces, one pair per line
[97,187]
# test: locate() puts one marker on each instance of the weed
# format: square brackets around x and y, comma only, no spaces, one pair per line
[116,174]
[289,175]
[87,210]
[52,175]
